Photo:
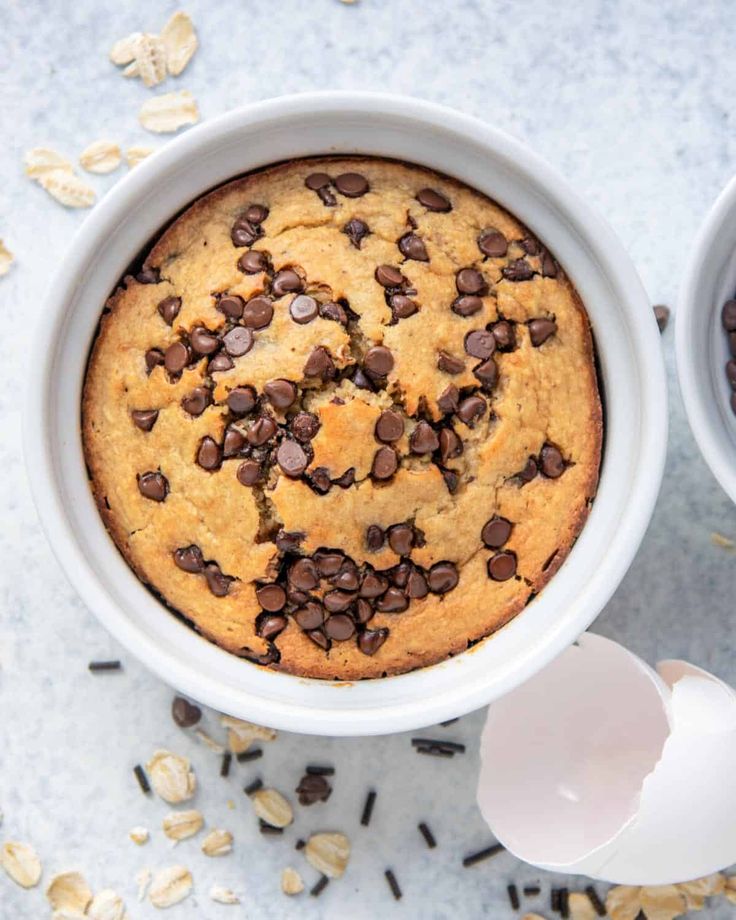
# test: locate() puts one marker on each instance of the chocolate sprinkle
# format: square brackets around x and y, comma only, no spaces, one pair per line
[317,889]
[370,801]
[250,754]
[598,906]
[513,892]
[140,775]
[253,787]
[97,666]
[480,855]
[393,884]
[225,765]
[428,835]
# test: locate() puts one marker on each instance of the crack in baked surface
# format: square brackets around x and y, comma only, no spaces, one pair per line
[344,418]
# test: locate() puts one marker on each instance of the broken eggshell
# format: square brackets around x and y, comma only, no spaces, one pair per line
[601,766]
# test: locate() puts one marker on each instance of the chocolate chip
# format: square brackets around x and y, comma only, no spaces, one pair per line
[549,266]
[356,230]
[378,361]
[337,601]
[288,542]
[203,341]
[256,213]
[728,316]
[442,577]
[340,627]
[393,601]
[169,309]
[303,575]
[327,197]
[291,458]
[480,344]
[363,611]
[304,426]
[233,442]
[153,485]
[503,333]
[328,564]
[551,461]
[241,400]
[530,246]
[450,445]
[320,364]
[400,574]
[416,585]
[374,538]
[467,305]
[244,233]
[540,330]
[662,315]
[731,373]
[346,480]
[316,181]
[310,616]
[496,532]
[196,401]
[287,281]
[189,559]
[303,309]
[209,455]
[373,585]
[153,358]
[148,275]
[144,419]
[362,380]
[502,566]
[262,430]
[232,306]
[249,472]
[385,463]
[238,341]
[347,578]
[452,480]
[449,363]
[471,409]
[176,357]
[517,270]
[529,472]
[335,312]
[390,426]
[269,626]
[449,399]
[220,363]
[218,583]
[258,312]
[492,243]
[487,373]
[320,639]
[389,276]
[402,307]
[280,393]
[320,480]
[470,281]
[433,200]
[423,439]
[351,185]
[313,788]
[371,640]
[184,713]
[253,262]
[401,539]
[271,597]
[411,246]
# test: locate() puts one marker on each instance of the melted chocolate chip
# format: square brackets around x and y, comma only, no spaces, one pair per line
[385,463]
[467,305]
[176,357]
[487,373]
[253,262]
[256,213]
[351,185]
[203,341]
[244,232]
[280,393]
[529,472]
[303,309]
[374,538]
[335,312]
[371,640]
[169,309]
[416,585]
[433,200]
[449,363]
[231,306]
[492,243]
[233,442]
[373,585]
[378,361]
[337,601]
[262,430]
[286,281]
[411,246]
[209,455]
[401,539]
[320,364]
[471,409]
[551,461]
[356,230]
[218,583]
[393,601]
[144,419]
[470,281]
[316,181]
[238,341]
[480,344]
[269,626]
[249,472]
[148,275]
[220,363]
[195,402]
[189,559]
[503,333]
[502,566]
[241,400]
[540,330]
[303,575]
[423,439]
[310,616]
[389,276]
[442,577]
[258,312]
[402,307]
[291,458]
[390,426]
[340,627]
[496,532]
[449,399]
[304,426]
[153,485]
[450,445]
[517,270]
[153,358]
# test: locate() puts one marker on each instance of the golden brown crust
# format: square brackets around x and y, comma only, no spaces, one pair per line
[544,395]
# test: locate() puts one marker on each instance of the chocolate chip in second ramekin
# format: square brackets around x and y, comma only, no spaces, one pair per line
[292,459]
[434,200]
[153,485]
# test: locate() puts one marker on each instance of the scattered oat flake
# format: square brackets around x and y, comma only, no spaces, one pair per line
[42,160]
[291,881]
[729,889]
[717,539]
[180,42]
[67,913]
[139,835]
[328,853]
[230,804]
[169,886]
[106,905]
[169,112]
[21,863]
[217,843]
[68,189]
[6,260]
[149,60]
[134,155]
[580,907]
[171,777]
[101,157]
[241,734]
[699,889]
[142,880]
[69,890]
[223,895]
[210,742]
[182,824]
[272,807]
[662,902]
[123,51]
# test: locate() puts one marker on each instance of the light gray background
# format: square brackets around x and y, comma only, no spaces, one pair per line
[634,102]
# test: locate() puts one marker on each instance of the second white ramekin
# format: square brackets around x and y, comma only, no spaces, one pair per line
[631,370]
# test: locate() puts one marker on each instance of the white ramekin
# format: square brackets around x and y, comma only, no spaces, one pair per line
[700,341]
[630,364]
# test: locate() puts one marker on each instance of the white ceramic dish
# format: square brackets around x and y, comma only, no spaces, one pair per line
[631,369]
[700,342]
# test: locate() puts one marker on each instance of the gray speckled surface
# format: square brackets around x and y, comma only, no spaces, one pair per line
[634,103]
